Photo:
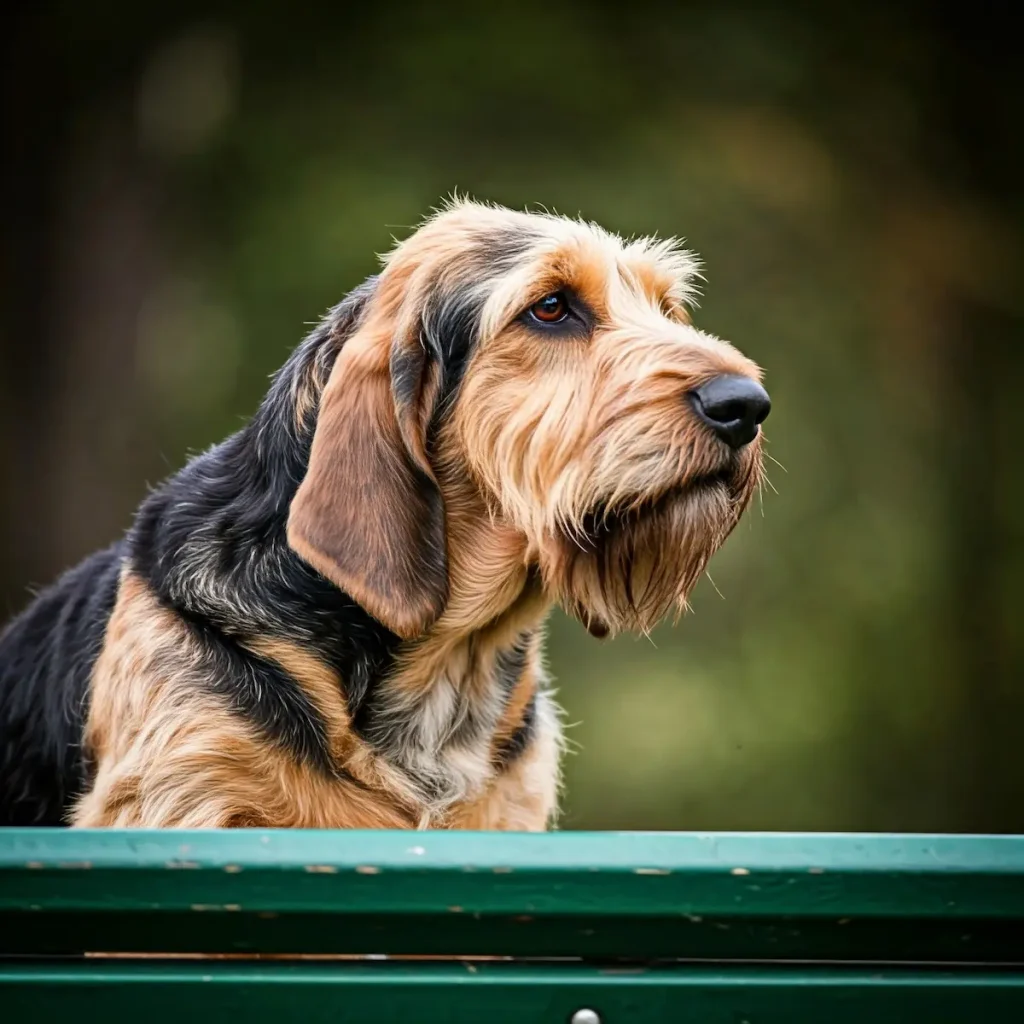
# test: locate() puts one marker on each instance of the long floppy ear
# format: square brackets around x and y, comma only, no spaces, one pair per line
[368,514]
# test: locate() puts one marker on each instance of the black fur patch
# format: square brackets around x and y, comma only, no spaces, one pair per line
[451,323]
[450,328]
[514,746]
[509,667]
[46,657]
[510,663]
[264,694]
[407,368]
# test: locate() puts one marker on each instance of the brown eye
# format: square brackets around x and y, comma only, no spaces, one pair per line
[552,309]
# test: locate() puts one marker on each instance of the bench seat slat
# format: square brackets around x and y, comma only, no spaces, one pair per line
[599,895]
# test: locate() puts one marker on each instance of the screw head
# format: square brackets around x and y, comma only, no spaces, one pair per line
[585,1016]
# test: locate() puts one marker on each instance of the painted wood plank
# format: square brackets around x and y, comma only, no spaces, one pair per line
[499,993]
[610,895]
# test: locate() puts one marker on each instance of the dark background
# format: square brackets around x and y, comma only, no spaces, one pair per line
[185,186]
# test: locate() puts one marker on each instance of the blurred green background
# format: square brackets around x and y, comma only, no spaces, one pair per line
[186,186]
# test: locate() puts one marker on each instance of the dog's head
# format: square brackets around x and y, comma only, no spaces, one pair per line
[554,366]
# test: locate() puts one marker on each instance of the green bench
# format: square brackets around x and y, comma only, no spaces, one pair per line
[565,927]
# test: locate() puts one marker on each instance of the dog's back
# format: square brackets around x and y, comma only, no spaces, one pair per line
[46,656]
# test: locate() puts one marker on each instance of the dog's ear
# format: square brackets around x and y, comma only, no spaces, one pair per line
[368,515]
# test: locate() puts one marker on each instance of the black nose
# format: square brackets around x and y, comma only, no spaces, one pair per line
[733,407]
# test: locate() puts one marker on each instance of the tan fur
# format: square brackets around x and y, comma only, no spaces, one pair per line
[571,470]
[170,756]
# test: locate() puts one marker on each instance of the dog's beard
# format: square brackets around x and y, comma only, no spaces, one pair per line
[625,571]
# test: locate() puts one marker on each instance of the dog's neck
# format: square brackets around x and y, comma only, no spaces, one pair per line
[436,713]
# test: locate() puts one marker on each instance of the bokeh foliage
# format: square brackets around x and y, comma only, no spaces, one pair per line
[189,184]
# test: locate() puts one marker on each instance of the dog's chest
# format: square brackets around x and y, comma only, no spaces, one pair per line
[435,725]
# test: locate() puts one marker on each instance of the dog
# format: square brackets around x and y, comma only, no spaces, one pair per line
[334,618]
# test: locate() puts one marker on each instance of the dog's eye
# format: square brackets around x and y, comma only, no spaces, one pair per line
[552,309]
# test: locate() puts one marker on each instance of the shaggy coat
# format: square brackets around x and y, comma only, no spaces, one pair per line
[333,618]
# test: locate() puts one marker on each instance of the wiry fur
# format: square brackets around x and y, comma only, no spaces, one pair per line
[333,619]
